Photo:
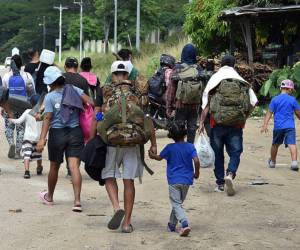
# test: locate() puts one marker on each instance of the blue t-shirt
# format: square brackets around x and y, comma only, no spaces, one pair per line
[180,168]
[52,105]
[284,106]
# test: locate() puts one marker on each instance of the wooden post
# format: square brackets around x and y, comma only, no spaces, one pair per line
[249,43]
[246,29]
[232,45]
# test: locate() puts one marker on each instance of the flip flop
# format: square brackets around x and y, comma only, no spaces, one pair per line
[116,220]
[77,208]
[42,196]
[128,230]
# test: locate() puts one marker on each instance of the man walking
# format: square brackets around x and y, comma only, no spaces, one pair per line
[230,100]
[185,91]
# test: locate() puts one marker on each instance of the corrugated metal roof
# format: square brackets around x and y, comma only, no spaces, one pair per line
[250,10]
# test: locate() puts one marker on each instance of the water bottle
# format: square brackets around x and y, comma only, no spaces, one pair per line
[99,116]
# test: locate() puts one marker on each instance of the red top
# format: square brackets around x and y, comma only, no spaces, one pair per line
[213,123]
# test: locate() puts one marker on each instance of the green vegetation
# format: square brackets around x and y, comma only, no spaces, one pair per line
[146,63]
[271,86]
[20,21]
[211,34]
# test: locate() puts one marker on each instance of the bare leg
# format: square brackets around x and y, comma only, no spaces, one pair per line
[74,163]
[52,179]
[274,151]
[26,164]
[112,191]
[129,194]
[293,150]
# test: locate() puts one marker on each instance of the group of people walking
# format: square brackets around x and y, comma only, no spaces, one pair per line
[220,102]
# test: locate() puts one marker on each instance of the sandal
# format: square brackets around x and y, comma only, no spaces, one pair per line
[42,196]
[77,208]
[116,220]
[128,229]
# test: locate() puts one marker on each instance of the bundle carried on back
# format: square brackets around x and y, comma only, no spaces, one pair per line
[230,105]
[124,122]
[190,84]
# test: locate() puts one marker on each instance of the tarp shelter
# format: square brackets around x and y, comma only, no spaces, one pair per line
[246,16]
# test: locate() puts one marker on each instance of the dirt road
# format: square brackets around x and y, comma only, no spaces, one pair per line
[258,217]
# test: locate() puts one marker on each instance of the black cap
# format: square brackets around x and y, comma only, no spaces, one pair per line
[228,60]
[71,62]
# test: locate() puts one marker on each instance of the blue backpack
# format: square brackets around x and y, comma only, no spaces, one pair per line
[17,85]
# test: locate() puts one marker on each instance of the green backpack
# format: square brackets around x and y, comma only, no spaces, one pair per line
[190,87]
[124,122]
[230,104]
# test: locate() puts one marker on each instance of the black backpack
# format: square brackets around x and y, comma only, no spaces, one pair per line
[157,83]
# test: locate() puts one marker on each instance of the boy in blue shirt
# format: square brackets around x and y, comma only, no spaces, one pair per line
[180,173]
[283,107]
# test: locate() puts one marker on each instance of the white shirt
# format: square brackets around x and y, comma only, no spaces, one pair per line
[26,77]
[33,128]
[223,73]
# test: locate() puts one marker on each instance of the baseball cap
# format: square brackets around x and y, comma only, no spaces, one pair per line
[51,74]
[71,62]
[119,66]
[287,84]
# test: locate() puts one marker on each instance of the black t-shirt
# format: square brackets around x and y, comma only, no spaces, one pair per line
[78,81]
[31,67]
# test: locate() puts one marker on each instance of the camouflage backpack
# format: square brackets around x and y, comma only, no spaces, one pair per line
[190,86]
[124,122]
[230,104]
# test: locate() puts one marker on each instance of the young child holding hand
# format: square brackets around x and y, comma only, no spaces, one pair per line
[180,174]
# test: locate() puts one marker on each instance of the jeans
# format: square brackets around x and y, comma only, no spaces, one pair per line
[177,195]
[232,139]
[188,114]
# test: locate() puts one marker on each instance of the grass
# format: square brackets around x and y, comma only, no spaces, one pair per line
[146,62]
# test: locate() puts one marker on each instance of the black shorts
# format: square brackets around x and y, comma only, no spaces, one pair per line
[68,141]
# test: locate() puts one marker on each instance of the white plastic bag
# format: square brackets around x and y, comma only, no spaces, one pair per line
[205,152]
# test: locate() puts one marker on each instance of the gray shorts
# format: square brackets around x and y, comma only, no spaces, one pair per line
[130,160]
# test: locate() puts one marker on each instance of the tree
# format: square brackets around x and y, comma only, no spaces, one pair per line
[204,27]
[127,17]
[91,30]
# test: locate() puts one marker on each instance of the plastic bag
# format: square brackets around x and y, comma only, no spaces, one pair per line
[205,152]
[86,119]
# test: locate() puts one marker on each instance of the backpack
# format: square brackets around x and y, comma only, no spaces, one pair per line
[190,86]
[230,105]
[124,122]
[17,85]
[157,83]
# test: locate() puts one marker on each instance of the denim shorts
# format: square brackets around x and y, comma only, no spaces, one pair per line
[286,136]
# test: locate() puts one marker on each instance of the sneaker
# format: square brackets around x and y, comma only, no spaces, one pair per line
[185,231]
[294,167]
[11,151]
[171,227]
[229,185]
[271,164]
[219,188]
[39,170]
[27,175]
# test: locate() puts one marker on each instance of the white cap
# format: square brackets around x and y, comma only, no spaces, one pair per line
[51,74]
[15,51]
[119,66]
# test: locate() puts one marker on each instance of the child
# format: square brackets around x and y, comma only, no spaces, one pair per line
[31,137]
[283,106]
[180,173]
